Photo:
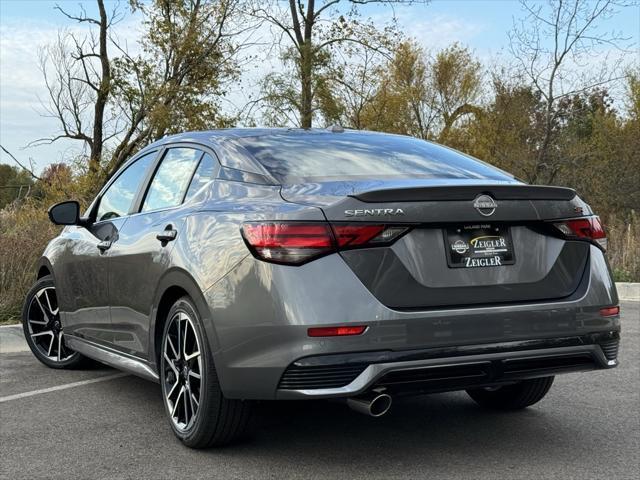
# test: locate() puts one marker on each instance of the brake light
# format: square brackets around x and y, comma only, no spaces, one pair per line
[291,243]
[294,243]
[335,331]
[586,228]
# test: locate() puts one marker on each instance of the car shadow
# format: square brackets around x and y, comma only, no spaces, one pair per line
[436,434]
[429,428]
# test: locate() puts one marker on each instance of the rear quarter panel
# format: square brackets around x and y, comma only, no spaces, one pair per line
[210,248]
[210,243]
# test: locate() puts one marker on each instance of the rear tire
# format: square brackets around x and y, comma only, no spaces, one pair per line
[199,413]
[43,328]
[513,397]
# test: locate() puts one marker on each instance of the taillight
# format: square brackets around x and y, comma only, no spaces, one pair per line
[291,243]
[353,236]
[294,243]
[586,228]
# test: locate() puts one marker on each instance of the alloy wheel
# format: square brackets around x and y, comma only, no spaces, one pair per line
[182,371]
[44,326]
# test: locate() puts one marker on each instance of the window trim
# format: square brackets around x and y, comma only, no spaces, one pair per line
[193,174]
[141,192]
[156,167]
[139,201]
[95,205]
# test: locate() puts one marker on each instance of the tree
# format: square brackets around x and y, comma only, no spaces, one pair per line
[507,129]
[189,54]
[115,102]
[81,82]
[353,81]
[456,82]
[425,97]
[15,183]
[552,45]
[403,104]
[309,35]
[601,147]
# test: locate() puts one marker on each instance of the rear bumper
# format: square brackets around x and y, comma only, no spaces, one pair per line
[446,369]
[259,315]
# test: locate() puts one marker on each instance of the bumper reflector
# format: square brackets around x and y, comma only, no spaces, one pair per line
[336,331]
[609,311]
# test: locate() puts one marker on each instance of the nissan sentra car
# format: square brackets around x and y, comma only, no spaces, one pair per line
[265,264]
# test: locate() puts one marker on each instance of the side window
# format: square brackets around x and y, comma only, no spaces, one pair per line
[119,197]
[204,173]
[171,178]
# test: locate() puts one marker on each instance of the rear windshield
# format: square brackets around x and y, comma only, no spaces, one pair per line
[351,155]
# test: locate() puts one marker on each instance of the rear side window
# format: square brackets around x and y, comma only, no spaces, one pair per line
[119,197]
[172,178]
[203,175]
[316,156]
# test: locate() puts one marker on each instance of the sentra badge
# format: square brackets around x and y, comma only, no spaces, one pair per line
[373,212]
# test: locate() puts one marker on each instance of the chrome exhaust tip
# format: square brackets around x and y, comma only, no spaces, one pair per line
[374,404]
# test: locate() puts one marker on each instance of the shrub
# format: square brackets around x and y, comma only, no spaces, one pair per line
[624,248]
[26,231]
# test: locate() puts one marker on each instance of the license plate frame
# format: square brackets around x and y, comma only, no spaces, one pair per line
[479,246]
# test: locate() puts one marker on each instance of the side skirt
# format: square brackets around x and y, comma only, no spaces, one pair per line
[115,359]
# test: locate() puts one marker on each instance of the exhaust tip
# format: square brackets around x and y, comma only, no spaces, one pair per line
[380,405]
[374,405]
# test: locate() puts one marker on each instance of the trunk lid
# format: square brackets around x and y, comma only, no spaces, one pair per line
[453,222]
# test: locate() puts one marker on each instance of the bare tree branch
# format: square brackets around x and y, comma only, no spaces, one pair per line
[28,170]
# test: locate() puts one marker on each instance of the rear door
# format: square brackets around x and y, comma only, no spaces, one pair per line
[143,251]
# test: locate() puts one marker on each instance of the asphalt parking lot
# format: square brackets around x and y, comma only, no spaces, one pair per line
[112,426]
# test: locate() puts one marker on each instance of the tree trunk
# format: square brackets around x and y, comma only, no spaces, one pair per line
[102,94]
[542,157]
[306,72]
[450,119]
[306,68]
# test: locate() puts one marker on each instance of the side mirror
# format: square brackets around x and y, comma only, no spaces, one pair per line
[65,213]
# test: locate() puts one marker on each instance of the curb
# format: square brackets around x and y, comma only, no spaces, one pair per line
[628,291]
[12,339]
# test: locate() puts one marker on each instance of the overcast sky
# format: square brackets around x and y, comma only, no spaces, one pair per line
[28,25]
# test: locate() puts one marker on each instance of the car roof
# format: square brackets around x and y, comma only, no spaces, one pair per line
[213,136]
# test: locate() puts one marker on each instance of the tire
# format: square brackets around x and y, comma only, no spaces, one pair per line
[198,412]
[43,329]
[513,397]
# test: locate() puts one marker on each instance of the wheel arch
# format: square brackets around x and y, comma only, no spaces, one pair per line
[175,284]
[44,268]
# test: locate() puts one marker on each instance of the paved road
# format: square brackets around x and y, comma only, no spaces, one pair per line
[588,427]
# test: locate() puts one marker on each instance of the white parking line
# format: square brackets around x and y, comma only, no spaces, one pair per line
[17,396]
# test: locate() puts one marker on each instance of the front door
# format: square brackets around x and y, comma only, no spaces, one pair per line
[83,276]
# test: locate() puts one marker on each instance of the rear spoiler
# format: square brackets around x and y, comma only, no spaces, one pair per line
[466,192]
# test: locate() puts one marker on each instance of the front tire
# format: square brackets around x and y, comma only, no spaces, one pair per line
[513,397]
[43,329]
[199,413]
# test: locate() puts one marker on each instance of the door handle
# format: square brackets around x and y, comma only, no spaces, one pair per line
[104,245]
[168,235]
